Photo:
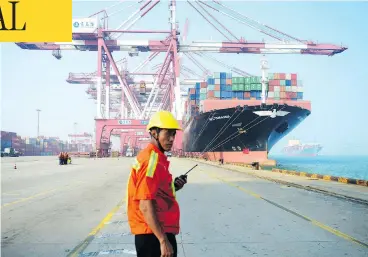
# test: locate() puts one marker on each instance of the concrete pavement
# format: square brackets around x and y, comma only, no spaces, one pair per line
[77,210]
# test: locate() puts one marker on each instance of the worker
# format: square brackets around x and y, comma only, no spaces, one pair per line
[66,156]
[153,211]
[61,158]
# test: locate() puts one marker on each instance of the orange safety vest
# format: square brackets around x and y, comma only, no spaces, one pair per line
[150,179]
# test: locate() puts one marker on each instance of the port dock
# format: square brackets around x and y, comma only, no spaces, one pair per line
[79,210]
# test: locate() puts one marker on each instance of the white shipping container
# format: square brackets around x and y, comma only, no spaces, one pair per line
[203,90]
[294,89]
[288,76]
[216,75]
[276,88]
[217,81]
[288,89]
[271,94]
[300,90]
[277,94]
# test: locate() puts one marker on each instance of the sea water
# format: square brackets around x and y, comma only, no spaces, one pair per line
[340,166]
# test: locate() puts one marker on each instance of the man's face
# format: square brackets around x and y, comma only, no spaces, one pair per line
[166,138]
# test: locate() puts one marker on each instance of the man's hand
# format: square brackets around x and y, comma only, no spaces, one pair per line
[166,248]
[180,181]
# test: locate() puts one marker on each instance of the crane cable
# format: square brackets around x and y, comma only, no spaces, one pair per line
[222,130]
[236,134]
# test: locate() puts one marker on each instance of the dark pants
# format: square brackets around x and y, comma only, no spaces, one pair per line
[147,245]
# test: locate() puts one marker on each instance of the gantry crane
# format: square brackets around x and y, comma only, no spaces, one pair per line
[104,41]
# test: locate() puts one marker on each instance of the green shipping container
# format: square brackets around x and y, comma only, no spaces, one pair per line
[241,87]
[270,76]
[247,80]
[238,80]
[255,80]
[203,96]
[247,87]
[277,95]
[253,87]
[235,87]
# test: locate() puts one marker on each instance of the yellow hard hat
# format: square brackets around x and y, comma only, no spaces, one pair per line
[163,119]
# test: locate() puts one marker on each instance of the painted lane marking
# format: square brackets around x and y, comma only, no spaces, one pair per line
[314,222]
[109,252]
[28,198]
[77,251]
[108,235]
[39,194]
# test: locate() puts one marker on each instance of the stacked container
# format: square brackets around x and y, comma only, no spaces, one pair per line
[285,86]
[223,86]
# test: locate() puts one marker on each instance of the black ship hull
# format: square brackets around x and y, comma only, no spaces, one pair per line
[241,129]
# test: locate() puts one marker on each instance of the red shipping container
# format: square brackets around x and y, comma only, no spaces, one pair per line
[229,82]
[247,94]
[203,84]
[294,83]
[294,76]
[272,82]
[217,88]
[210,93]
[293,95]
[277,83]
[246,151]
[288,95]
[282,76]
[270,88]
[192,91]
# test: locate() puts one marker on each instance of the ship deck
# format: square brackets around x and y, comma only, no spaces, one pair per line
[77,210]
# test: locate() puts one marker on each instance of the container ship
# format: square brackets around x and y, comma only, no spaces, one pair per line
[227,119]
[296,148]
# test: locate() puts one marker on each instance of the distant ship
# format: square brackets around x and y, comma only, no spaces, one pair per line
[296,148]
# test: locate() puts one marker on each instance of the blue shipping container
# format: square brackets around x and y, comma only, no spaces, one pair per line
[229,75]
[253,94]
[223,87]
[222,75]
[299,95]
[223,82]
[288,83]
[211,81]
[229,87]
[192,97]
[198,85]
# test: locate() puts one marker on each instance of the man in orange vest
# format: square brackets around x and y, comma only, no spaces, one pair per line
[153,212]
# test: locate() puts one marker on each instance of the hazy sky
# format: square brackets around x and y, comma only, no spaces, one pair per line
[336,86]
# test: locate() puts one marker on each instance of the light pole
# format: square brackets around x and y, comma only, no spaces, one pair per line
[75,134]
[38,122]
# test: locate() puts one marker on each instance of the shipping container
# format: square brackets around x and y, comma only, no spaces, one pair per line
[211,87]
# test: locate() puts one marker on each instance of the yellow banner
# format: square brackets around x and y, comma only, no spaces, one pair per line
[35,21]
